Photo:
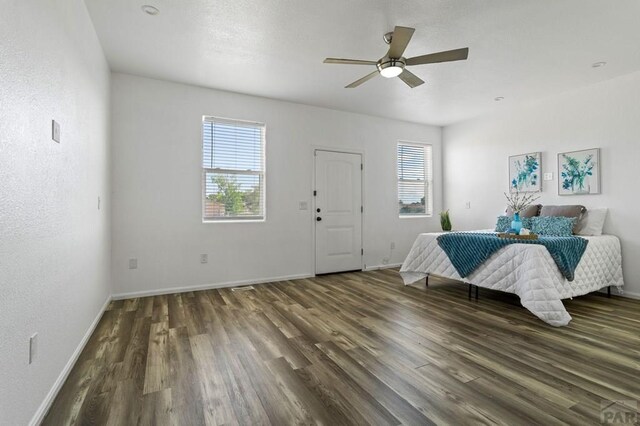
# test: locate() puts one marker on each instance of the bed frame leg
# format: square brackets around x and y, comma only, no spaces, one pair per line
[609,292]
[470,291]
[477,288]
[426,282]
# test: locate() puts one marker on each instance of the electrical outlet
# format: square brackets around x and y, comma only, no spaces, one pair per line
[33,347]
[467,205]
[385,261]
[393,245]
[548,176]
[204,258]
[55,131]
[303,205]
[133,263]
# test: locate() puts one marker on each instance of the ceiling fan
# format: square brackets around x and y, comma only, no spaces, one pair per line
[393,63]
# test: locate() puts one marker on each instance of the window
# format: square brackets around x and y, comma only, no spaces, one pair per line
[233,169]
[414,180]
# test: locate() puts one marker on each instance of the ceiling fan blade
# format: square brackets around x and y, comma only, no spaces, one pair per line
[348,61]
[399,41]
[410,78]
[432,58]
[362,80]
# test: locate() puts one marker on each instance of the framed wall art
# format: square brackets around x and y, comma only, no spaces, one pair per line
[579,172]
[525,172]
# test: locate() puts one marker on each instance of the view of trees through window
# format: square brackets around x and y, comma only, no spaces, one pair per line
[229,198]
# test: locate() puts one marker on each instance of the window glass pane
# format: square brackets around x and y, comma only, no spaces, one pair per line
[410,162]
[411,198]
[232,195]
[235,147]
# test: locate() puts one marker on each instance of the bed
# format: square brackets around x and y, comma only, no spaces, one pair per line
[525,270]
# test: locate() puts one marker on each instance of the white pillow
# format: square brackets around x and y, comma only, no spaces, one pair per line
[592,222]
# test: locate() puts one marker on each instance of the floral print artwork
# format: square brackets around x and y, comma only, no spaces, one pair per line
[524,173]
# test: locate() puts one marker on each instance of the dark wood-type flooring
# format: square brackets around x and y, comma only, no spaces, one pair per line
[355,348]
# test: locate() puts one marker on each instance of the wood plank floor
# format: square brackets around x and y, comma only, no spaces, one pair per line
[355,348]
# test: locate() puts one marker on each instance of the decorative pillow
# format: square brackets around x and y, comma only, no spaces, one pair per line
[575,210]
[530,211]
[557,226]
[504,223]
[592,222]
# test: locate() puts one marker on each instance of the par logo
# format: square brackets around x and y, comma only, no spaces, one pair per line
[624,412]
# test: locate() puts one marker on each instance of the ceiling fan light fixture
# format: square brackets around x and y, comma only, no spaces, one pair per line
[390,68]
[391,72]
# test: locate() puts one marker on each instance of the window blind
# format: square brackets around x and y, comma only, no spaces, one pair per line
[414,179]
[233,169]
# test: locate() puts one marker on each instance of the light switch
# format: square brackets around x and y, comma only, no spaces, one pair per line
[55,131]
[548,176]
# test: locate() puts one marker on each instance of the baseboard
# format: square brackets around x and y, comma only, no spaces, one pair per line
[387,266]
[38,417]
[158,292]
[630,295]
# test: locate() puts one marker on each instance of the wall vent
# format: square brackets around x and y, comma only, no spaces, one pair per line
[245,288]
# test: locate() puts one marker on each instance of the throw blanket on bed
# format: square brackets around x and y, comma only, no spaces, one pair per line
[467,251]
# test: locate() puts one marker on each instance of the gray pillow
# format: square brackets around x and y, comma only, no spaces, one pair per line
[530,211]
[575,210]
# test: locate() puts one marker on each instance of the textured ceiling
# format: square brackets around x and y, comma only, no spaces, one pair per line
[519,49]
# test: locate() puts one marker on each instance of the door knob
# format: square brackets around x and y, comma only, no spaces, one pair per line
[318,219]
[318,209]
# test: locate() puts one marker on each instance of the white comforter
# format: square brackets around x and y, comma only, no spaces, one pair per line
[526,270]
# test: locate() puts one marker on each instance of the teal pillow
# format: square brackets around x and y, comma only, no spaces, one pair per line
[557,226]
[504,223]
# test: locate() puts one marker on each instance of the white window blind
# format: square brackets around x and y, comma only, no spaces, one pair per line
[233,170]
[414,180]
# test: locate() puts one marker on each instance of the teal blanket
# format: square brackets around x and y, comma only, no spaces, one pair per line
[468,250]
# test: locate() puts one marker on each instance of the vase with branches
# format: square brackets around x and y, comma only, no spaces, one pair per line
[519,201]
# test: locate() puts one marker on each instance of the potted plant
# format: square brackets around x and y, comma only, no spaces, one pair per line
[445,221]
[519,201]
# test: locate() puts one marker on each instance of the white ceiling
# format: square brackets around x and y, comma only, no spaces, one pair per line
[519,49]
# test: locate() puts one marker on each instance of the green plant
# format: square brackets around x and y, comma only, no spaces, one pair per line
[445,221]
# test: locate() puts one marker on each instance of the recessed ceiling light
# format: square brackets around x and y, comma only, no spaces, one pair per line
[598,64]
[498,98]
[150,10]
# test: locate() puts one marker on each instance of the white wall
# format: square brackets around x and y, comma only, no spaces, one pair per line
[54,242]
[157,192]
[606,115]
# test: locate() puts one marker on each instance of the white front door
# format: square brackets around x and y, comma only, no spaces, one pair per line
[338,211]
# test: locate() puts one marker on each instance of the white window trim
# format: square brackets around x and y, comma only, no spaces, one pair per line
[234,219]
[428,183]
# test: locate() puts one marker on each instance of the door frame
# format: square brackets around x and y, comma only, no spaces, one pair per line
[315,148]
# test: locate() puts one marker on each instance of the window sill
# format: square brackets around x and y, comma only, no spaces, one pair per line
[234,221]
[415,216]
